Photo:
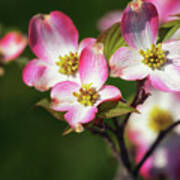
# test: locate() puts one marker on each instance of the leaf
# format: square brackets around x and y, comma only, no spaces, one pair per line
[171,32]
[177,15]
[168,29]
[44,103]
[21,62]
[68,130]
[112,40]
[116,110]
[170,24]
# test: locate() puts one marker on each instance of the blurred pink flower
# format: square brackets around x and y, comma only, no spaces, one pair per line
[11,46]
[109,19]
[166,10]
[81,100]
[158,112]
[160,63]
[54,40]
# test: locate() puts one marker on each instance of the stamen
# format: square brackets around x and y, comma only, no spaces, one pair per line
[68,64]
[159,119]
[155,57]
[87,95]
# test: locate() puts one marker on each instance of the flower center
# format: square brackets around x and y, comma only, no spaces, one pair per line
[155,57]
[68,64]
[159,119]
[87,95]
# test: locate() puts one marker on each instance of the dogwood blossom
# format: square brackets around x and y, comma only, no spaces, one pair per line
[145,58]
[80,101]
[167,9]
[11,46]
[158,112]
[54,40]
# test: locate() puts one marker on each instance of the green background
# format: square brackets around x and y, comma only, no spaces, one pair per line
[31,141]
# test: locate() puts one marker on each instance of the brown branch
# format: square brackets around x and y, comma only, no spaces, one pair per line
[159,139]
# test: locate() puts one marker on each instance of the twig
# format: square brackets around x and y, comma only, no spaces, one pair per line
[108,139]
[123,149]
[159,139]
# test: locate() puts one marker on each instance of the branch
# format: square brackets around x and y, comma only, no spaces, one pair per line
[108,139]
[159,139]
[123,149]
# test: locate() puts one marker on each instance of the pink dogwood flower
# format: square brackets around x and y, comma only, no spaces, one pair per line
[160,63]
[166,10]
[54,40]
[109,19]
[80,100]
[11,46]
[157,113]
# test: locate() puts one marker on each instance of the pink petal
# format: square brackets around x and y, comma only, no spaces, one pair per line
[145,170]
[12,45]
[172,49]
[109,93]
[109,19]
[80,114]
[41,75]
[51,36]
[126,64]
[93,67]
[166,8]
[140,27]
[62,95]
[167,80]
[86,42]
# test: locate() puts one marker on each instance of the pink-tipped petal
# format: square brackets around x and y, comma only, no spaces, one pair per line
[140,27]
[145,170]
[62,95]
[12,45]
[167,80]
[40,75]
[126,64]
[93,67]
[53,35]
[172,49]
[79,114]
[84,43]
[109,19]
[166,9]
[109,93]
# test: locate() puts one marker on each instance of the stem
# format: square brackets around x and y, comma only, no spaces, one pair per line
[109,141]
[123,149]
[159,139]
[120,129]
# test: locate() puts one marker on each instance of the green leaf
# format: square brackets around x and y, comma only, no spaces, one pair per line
[68,130]
[21,62]
[171,32]
[168,29]
[117,109]
[171,24]
[45,103]
[112,40]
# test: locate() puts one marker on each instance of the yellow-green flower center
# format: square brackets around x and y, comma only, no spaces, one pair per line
[155,57]
[68,64]
[87,95]
[159,119]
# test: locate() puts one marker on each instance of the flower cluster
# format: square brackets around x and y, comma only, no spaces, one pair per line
[76,75]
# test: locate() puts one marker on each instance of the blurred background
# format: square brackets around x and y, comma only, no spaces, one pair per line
[31,141]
